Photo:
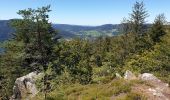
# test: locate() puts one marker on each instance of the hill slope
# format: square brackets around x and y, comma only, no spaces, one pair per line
[5,30]
[66,31]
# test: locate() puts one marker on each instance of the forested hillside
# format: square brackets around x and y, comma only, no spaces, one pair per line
[66,31]
[5,30]
[83,69]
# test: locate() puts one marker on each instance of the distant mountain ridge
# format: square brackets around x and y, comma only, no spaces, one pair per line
[67,31]
[5,30]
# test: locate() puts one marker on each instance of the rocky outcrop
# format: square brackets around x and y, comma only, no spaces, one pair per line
[153,79]
[25,86]
[158,89]
[148,77]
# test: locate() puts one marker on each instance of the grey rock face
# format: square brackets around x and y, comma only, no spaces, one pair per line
[25,86]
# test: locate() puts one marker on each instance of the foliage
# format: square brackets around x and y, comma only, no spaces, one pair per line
[137,18]
[38,37]
[74,57]
[82,68]
[158,28]
[155,60]
[10,66]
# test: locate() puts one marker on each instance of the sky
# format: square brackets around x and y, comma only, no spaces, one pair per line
[85,12]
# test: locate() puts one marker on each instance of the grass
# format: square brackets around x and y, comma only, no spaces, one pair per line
[102,91]
[141,82]
[133,96]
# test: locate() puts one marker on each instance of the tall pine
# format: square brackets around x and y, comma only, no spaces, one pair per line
[137,18]
[38,37]
[158,28]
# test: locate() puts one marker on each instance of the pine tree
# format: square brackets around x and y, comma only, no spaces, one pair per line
[158,28]
[38,37]
[137,18]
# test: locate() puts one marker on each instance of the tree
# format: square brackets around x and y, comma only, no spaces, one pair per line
[137,18]
[75,58]
[158,29]
[10,67]
[38,37]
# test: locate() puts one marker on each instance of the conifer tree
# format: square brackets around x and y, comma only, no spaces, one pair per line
[38,37]
[158,28]
[137,18]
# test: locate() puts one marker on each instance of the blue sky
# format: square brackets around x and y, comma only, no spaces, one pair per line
[85,12]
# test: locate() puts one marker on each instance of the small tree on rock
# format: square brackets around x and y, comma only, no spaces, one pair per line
[38,37]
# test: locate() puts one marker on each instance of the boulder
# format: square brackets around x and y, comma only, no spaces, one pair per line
[25,87]
[129,75]
[118,76]
[153,80]
[148,77]
[158,90]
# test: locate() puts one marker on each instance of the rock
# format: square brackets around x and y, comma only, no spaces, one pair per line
[129,75]
[148,77]
[25,87]
[155,92]
[167,85]
[118,76]
[159,87]
[158,94]
[154,81]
